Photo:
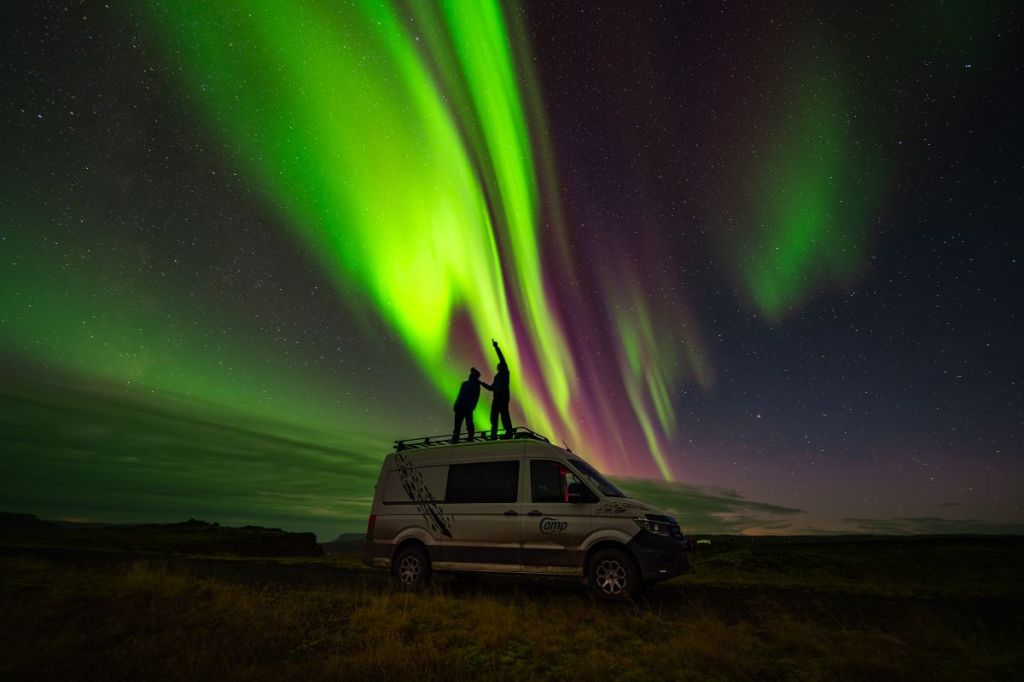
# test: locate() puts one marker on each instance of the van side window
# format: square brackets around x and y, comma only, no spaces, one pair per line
[551,481]
[483,482]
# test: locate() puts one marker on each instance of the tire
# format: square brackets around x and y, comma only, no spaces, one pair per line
[613,576]
[411,569]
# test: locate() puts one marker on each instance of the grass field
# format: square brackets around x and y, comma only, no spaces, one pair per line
[753,609]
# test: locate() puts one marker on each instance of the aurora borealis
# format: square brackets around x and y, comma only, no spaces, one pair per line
[386,194]
[771,251]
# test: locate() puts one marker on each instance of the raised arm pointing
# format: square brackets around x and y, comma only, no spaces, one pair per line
[501,356]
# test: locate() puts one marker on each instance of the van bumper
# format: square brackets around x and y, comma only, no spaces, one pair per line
[660,557]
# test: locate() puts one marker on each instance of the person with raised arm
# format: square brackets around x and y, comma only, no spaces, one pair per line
[499,403]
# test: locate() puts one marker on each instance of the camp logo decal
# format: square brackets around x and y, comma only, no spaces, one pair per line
[415,490]
[550,526]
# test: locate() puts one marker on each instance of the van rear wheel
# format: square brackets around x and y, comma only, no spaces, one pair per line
[411,569]
[613,576]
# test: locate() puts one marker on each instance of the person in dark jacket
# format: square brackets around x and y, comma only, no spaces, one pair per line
[499,403]
[465,403]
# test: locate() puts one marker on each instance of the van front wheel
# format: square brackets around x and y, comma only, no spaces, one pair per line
[411,569]
[613,576]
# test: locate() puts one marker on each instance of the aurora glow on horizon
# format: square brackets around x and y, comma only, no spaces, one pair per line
[314,217]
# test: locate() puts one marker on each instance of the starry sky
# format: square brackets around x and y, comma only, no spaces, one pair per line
[761,264]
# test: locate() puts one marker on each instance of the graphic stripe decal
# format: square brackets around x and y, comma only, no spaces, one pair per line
[428,507]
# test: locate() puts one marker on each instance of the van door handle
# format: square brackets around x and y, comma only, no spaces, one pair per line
[535,513]
[511,512]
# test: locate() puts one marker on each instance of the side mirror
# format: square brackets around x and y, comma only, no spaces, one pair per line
[578,494]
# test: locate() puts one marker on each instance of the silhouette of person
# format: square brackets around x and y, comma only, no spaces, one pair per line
[499,403]
[465,403]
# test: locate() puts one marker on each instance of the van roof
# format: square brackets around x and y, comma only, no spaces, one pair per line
[424,442]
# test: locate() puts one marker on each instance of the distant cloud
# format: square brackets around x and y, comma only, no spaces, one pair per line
[709,509]
[931,525]
[73,451]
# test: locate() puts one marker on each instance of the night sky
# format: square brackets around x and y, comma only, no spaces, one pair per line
[762,263]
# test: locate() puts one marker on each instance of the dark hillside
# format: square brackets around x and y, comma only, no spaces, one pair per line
[188,537]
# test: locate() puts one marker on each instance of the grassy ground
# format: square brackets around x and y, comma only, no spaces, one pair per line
[752,610]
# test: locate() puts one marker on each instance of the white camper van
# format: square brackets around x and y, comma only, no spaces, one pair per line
[518,505]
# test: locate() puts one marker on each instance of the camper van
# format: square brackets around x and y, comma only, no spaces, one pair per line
[515,505]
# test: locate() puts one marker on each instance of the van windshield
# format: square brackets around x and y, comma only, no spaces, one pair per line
[606,487]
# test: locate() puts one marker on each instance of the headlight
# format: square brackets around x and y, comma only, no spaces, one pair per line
[657,526]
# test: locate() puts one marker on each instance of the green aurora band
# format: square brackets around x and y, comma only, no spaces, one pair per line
[648,360]
[810,215]
[339,116]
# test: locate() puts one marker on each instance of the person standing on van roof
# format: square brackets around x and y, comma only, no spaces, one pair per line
[465,403]
[499,404]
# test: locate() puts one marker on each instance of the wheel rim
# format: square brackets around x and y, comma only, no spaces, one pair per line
[409,570]
[611,576]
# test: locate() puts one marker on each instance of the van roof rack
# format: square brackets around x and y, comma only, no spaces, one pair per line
[516,432]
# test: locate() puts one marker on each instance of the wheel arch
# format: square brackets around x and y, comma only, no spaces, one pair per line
[607,543]
[413,536]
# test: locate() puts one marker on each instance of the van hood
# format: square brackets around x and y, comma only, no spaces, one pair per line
[623,506]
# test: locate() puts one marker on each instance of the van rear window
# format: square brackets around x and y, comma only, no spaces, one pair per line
[483,482]
[420,484]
